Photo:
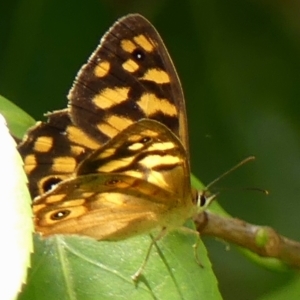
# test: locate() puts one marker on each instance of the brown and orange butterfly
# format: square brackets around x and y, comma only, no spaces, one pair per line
[115,163]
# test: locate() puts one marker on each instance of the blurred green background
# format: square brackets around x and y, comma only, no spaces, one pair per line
[239,63]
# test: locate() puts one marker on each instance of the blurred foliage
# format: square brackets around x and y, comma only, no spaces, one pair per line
[239,63]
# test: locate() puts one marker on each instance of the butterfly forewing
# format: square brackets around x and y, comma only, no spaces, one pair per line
[147,150]
[129,77]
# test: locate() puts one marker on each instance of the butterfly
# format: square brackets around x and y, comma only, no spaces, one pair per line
[115,163]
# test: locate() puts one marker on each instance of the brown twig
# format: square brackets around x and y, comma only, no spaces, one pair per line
[262,240]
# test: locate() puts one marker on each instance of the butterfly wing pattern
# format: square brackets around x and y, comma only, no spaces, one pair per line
[129,77]
[115,163]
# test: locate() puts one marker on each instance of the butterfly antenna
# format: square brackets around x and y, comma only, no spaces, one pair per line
[266,192]
[244,161]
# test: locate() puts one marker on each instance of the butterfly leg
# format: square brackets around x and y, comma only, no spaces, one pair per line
[196,245]
[138,273]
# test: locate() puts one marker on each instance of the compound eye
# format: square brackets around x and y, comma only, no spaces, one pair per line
[202,200]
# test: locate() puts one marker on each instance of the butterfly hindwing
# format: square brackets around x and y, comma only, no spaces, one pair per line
[106,207]
[128,186]
[52,151]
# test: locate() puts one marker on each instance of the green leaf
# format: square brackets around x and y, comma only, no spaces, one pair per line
[18,121]
[16,220]
[82,268]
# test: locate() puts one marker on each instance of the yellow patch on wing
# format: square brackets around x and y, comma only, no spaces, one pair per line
[110,97]
[76,136]
[37,207]
[87,194]
[107,153]
[43,144]
[149,132]
[128,46]
[73,202]
[64,164]
[77,150]
[151,161]
[157,76]
[115,164]
[29,163]
[55,198]
[130,66]
[102,69]
[134,174]
[107,129]
[142,41]
[111,200]
[157,179]
[134,138]
[118,122]
[150,104]
[161,146]
[135,146]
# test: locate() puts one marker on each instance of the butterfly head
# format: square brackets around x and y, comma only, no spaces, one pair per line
[202,199]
